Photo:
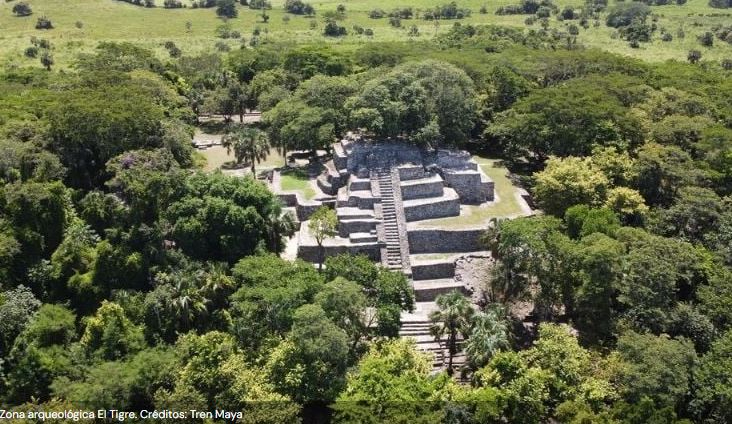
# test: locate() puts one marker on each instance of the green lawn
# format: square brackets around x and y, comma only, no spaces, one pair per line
[471,216]
[119,21]
[297,180]
[216,157]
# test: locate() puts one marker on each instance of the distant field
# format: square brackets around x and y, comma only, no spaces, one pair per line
[119,21]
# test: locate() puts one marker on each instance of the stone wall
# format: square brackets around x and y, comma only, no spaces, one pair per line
[348,226]
[433,270]
[445,241]
[430,188]
[453,159]
[312,253]
[304,211]
[381,155]
[489,190]
[429,295]
[467,184]
[438,209]
[411,172]
[288,199]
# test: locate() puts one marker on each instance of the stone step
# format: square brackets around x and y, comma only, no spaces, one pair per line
[434,207]
[363,238]
[351,212]
[428,290]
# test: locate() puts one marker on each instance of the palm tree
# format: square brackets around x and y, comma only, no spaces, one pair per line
[247,143]
[488,335]
[452,318]
[279,225]
[187,303]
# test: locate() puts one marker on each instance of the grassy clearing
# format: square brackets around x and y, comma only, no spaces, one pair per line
[217,158]
[471,216]
[297,180]
[112,20]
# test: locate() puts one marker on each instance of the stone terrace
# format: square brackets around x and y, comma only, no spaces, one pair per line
[377,188]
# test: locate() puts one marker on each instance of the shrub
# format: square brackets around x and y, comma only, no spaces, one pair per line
[694,56]
[44,23]
[395,22]
[573,29]
[543,12]
[377,14]
[447,11]
[226,9]
[720,4]
[667,37]
[332,29]
[624,14]
[706,39]
[369,32]
[298,7]
[222,47]
[403,13]
[22,9]
[31,52]
[260,4]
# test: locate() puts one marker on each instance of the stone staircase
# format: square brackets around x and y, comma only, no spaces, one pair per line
[393,249]
[419,330]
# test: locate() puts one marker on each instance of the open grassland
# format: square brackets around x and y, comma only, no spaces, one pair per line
[111,20]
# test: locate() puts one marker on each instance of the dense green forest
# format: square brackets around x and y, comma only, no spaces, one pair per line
[130,279]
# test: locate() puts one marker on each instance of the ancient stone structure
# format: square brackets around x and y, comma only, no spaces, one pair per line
[379,190]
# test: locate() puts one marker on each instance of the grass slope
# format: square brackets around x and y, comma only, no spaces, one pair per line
[118,21]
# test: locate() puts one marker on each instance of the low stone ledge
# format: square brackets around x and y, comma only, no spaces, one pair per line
[432,208]
[411,172]
[312,253]
[348,226]
[424,188]
[430,240]
[433,270]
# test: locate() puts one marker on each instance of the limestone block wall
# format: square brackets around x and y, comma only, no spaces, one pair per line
[305,210]
[346,227]
[311,253]
[421,190]
[444,241]
[428,295]
[467,184]
[454,159]
[381,155]
[288,199]
[488,188]
[411,172]
[438,209]
[433,270]
[340,159]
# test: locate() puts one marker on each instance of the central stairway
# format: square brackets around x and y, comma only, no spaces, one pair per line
[390,220]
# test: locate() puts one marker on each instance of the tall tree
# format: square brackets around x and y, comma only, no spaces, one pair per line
[452,319]
[248,143]
[323,225]
[488,335]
